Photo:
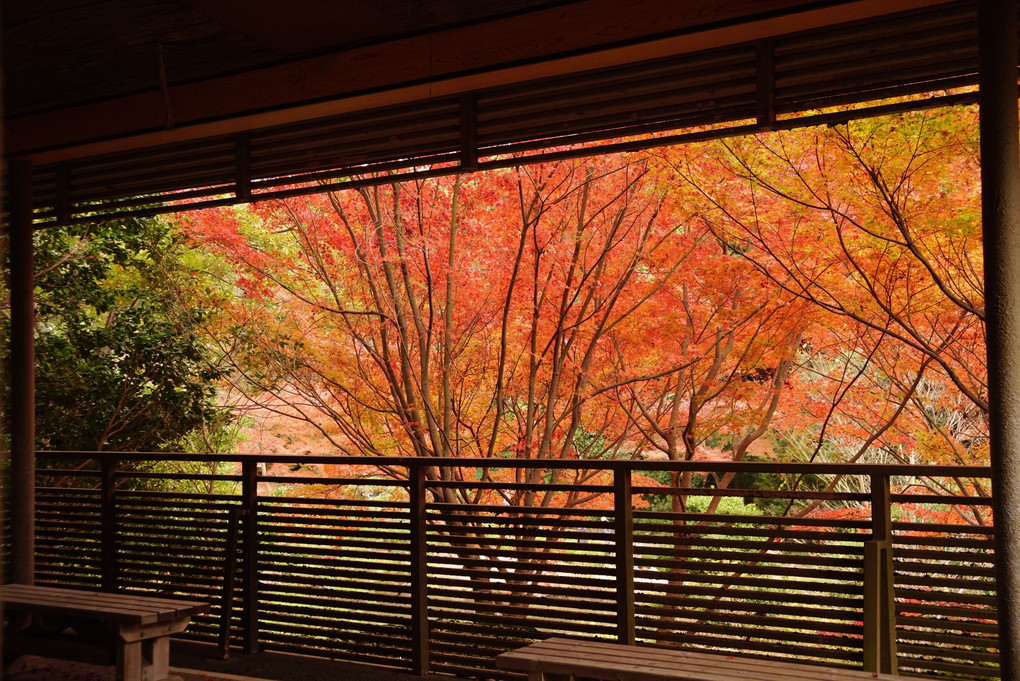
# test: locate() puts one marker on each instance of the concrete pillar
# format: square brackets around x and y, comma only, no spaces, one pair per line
[1000,180]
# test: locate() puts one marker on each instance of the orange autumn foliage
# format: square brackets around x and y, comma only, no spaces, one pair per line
[816,288]
[549,311]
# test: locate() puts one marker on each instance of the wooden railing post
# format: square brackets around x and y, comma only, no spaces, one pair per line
[249,509]
[229,581]
[420,653]
[879,594]
[20,250]
[624,535]
[110,579]
[1000,223]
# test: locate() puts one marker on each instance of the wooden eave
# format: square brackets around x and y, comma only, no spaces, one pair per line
[572,73]
[574,38]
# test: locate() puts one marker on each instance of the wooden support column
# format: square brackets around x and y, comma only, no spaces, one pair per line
[880,653]
[624,534]
[64,193]
[469,132]
[22,373]
[765,58]
[420,652]
[111,569]
[250,504]
[242,158]
[1000,205]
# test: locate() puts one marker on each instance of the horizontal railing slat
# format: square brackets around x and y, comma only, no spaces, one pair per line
[339,575]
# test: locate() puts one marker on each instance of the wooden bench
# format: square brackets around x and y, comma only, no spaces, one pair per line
[556,659]
[138,627]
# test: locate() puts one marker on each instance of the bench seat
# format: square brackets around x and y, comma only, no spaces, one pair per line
[139,627]
[555,659]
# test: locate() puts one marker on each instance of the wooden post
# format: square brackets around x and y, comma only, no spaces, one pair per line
[249,503]
[1000,205]
[64,193]
[229,582]
[624,531]
[420,654]
[108,530]
[22,372]
[469,132]
[765,64]
[879,593]
[242,180]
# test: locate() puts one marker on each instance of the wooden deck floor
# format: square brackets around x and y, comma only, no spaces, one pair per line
[33,668]
[191,662]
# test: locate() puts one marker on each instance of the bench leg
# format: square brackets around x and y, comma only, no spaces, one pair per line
[146,660]
[160,657]
[129,661]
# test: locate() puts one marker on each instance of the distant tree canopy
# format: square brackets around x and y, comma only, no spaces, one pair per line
[564,310]
[802,295]
[819,289]
[119,365]
[876,224]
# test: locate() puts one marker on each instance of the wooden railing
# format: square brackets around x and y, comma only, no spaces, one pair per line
[439,565]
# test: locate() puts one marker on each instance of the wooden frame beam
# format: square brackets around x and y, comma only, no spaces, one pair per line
[20,250]
[1000,207]
[554,42]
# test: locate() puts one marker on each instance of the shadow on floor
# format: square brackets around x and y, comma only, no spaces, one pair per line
[197,662]
[35,668]
[273,666]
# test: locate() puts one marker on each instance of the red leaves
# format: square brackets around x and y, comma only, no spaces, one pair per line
[805,287]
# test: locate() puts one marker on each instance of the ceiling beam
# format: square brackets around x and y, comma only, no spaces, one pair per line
[555,42]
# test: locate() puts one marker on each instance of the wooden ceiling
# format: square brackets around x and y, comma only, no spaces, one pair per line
[63,53]
[118,101]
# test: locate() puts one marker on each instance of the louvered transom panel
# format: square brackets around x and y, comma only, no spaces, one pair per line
[716,92]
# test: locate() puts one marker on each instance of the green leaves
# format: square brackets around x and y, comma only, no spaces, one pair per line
[119,363]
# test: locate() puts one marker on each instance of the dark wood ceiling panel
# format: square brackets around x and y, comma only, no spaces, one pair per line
[920,51]
[714,86]
[301,27]
[57,53]
[442,126]
[523,47]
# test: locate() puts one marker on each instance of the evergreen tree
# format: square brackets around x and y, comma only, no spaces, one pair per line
[119,365]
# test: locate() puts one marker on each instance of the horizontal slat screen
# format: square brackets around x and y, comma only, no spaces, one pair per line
[500,578]
[360,566]
[945,598]
[175,546]
[68,541]
[750,585]
[334,578]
